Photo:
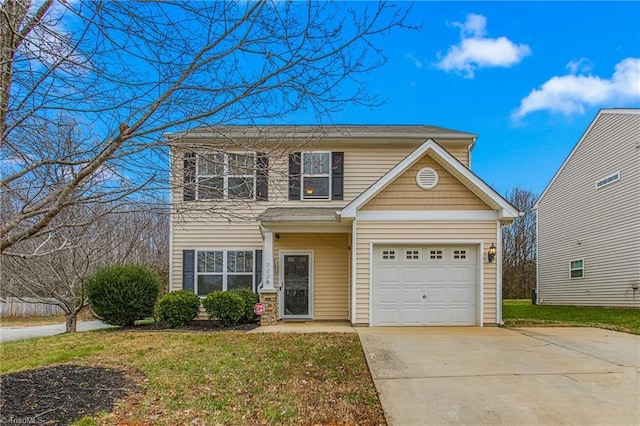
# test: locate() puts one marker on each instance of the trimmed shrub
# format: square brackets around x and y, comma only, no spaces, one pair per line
[224,306]
[250,299]
[178,308]
[123,294]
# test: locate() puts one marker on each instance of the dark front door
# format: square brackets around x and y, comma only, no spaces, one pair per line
[296,286]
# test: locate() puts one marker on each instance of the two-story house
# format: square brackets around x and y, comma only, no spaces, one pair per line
[377,225]
[588,218]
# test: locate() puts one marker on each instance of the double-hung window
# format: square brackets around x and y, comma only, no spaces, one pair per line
[316,176]
[224,270]
[576,268]
[226,176]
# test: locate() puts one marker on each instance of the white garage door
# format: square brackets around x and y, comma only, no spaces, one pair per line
[432,285]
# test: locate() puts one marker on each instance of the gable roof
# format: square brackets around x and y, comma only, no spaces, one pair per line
[604,111]
[452,165]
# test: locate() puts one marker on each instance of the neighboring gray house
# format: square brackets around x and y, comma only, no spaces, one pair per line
[589,218]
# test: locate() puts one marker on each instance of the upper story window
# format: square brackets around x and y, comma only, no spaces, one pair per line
[614,177]
[316,175]
[225,176]
[576,268]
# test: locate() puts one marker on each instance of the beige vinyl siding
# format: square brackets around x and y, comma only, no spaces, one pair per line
[405,194]
[202,233]
[369,231]
[330,270]
[601,226]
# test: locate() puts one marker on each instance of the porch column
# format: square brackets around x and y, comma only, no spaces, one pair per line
[268,291]
[267,261]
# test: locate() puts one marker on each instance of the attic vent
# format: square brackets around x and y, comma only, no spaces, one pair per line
[427,178]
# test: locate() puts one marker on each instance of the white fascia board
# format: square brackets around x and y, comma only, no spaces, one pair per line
[508,211]
[426,215]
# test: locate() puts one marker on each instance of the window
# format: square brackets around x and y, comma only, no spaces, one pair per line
[412,255]
[460,255]
[576,268]
[224,270]
[221,176]
[316,175]
[316,179]
[608,180]
[436,255]
[388,255]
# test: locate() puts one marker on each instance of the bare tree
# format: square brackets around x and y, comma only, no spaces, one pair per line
[519,247]
[54,275]
[87,88]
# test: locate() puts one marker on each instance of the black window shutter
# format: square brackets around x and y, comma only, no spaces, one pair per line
[337,175]
[258,269]
[188,269]
[294,175]
[262,177]
[189,172]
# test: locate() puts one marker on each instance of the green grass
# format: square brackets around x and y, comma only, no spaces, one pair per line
[521,313]
[220,377]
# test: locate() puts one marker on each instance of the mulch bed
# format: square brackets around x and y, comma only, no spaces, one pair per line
[61,394]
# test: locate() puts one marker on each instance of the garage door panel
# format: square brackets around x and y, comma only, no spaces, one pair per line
[436,275]
[412,274]
[389,316]
[412,295]
[436,316]
[436,294]
[389,275]
[389,295]
[461,274]
[417,289]
[412,316]
[461,295]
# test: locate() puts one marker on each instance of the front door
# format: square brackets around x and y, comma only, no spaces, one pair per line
[296,285]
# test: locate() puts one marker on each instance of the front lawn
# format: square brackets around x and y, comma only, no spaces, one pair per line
[199,378]
[521,313]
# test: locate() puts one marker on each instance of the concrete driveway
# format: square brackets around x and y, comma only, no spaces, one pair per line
[498,376]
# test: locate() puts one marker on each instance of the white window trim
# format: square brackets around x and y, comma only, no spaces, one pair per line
[304,175]
[608,180]
[576,269]
[224,272]
[226,176]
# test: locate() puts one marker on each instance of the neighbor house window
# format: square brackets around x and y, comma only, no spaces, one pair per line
[316,176]
[576,268]
[608,180]
[222,176]
[224,270]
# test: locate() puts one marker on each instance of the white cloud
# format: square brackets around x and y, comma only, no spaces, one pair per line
[582,65]
[476,51]
[571,94]
[417,62]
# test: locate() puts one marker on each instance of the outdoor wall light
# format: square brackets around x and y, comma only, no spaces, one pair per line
[491,254]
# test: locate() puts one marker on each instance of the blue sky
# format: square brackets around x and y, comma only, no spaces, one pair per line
[527,77]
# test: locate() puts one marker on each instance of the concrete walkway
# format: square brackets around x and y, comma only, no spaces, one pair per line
[497,376]
[8,334]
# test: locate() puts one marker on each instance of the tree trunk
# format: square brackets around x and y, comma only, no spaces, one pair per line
[71,322]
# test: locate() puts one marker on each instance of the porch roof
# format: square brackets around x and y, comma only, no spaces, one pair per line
[300,214]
